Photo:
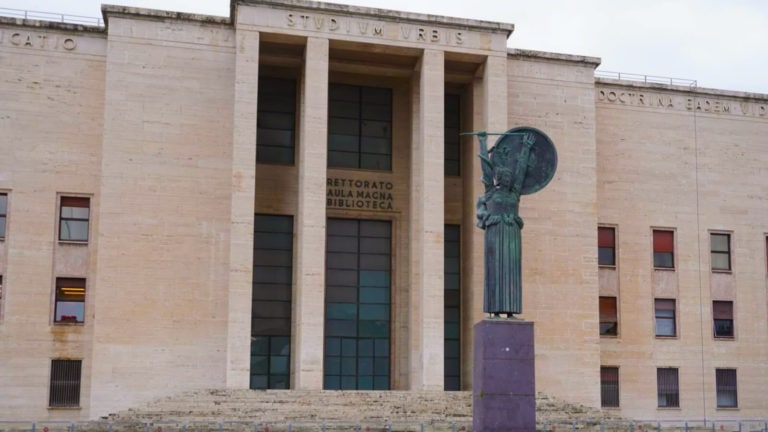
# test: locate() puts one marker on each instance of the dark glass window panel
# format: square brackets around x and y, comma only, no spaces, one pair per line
[452,345]
[271,309]
[665,317]
[332,365]
[342,261]
[280,382]
[452,383]
[259,382]
[342,108]
[452,297]
[376,112]
[375,229]
[381,383]
[365,347]
[373,329]
[723,328]
[375,162]
[278,365]
[277,104]
[343,159]
[609,387]
[344,126]
[725,383]
[452,330]
[720,242]
[374,312]
[348,347]
[344,143]
[663,260]
[375,129]
[605,256]
[451,265]
[381,347]
[348,366]
[259,365]
[346,328]
[333,346]
[374,295]
[2,226]
[374,278]
[344,92]
[341,311]
[452,365]
[73,230]
[273,223]
[278,155]
[3,204]
[273,275]
[374,262]
[341,277]
[451,314]
[342,244]
[381,365]
[375,245]
[343,227]
[665,327]
[349,382]
[341,294]
[271,326]
[376,95]
[451,281]
[365,365]
[365,382]
[376,146]
[721,261]
[273,258]
[75,212]
[332,382]
[259,346]
[269,240]
[276,120]
[721,251]
[609,322]
[271,292]
[452,126]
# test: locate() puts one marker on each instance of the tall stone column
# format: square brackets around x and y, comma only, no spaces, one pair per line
[242,207]
[309,291]
[427,224]
[489,99]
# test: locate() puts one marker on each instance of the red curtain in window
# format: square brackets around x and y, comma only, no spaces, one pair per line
[665,304]
[606,237]
[608,309]
[75,202]
[663,241]
[722,310]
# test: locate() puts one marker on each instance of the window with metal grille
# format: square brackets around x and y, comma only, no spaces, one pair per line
[721,251]
[452,304]
[271,301]
[609,317]
[65,383]
[609,386]
[276,121]
[73,219]
[665,317]
[725,381]
[663,249]
[722,314]
[357,305]
[3,213]
[70,301]
[606,246]
[359,127]
[451,137]
[668,391]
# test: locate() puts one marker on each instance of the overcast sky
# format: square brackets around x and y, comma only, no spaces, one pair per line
[719,43]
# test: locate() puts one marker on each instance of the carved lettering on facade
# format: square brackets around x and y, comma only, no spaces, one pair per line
[359,194]
[678,102]
[37,40]
[362,27]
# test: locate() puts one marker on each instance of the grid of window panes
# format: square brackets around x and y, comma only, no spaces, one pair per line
[359,127]
[721,251]
[276,120]
[665,317]
[357,305]
[3,213]
[452,128]
[668,391]
[609,386]
[725,382]
[271,308]
[73,219]
[65,383]
[452,283]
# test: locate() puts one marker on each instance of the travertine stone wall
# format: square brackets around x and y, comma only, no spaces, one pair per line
[555,93]
[692,160]
[51,88]
[166,190]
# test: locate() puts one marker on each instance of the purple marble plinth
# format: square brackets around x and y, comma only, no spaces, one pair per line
[504,395]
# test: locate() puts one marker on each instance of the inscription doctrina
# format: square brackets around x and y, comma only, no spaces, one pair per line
[359,194]
[359,27]
[683,103]
[37,40]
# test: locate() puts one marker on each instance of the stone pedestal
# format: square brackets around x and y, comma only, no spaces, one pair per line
[504,395]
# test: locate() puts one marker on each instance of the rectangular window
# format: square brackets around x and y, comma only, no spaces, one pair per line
[663,249]
[665,317]
[609,317]
[609,387]
[721,251]
[276,121]
[271,301]
[668,391]
[359,127]
[73,219]
[451,138]
[65,383]
[3,213]
[70,301]
[606,246]
[357,305]
[722,313]
[725,381]
[452,305]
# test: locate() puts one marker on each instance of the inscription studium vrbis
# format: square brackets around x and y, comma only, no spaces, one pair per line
[701,104]
[360,194]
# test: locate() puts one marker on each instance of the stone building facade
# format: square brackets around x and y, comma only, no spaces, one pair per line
[281,199]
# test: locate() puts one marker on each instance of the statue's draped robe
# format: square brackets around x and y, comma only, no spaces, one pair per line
[503,272]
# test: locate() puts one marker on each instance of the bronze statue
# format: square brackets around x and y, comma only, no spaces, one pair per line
[522,161]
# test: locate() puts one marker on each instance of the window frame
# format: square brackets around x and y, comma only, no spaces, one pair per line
[615,327]
[452,124]
[657,317]
[63,201]
[602,240]
[724,308]
[605,387]
[728,252]
[722,387]
[672,382]
[263,110]
[60,287]
[660,250]
[58,385]
[3,215]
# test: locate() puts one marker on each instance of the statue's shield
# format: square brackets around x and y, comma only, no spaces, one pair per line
[542,161]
